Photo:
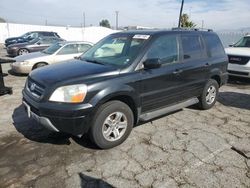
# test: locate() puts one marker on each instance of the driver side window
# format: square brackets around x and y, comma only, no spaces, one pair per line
[165,49]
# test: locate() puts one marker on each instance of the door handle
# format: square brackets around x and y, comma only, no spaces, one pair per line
[177,71]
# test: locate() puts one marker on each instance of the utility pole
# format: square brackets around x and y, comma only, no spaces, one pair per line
[117,15]
[202,24]
[182,3]
[84,19]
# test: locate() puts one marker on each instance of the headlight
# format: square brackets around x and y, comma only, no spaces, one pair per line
[70,94]
[24,63]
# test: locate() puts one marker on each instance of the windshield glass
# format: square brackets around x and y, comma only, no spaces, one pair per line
[25,35]
[53,48]
[244,42]
[117,50]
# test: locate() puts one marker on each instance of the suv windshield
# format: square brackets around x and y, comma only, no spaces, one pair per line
[117,50]
[243,42]
[53,48]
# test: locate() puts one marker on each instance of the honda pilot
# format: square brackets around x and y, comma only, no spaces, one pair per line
[125,78]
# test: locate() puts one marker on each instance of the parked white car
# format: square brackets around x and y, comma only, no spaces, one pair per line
[239,58]
[58,52]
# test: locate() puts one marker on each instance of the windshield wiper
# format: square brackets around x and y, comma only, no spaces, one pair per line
[93,61]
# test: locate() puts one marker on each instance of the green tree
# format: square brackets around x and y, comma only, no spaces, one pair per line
[105,23]
[2,20]
[186,22]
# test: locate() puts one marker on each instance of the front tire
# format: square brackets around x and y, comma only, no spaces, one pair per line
[209,95]
[112,124]
[23,51]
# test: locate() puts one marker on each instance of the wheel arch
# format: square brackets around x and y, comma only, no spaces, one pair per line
[216,75]
[125,94]
[34,66]
[22,49]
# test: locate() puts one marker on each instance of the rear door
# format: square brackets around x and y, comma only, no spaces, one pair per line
[194,69]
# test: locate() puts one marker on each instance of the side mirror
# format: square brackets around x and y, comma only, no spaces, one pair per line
[38,43]
[77,57]
[231,45]
[152,63]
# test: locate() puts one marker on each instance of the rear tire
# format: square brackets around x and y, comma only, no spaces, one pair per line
[111,124]
[209,95]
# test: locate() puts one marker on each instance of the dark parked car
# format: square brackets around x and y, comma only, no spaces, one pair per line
[125,78]
[37,44]
[30,36]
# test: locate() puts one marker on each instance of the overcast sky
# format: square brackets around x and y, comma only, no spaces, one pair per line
[217,14]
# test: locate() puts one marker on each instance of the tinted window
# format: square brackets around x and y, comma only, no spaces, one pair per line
[69,49]
[214,46]
[191,46]
[164,48]
[83,48]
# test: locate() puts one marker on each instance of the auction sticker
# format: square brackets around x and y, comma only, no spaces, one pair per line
[145,37]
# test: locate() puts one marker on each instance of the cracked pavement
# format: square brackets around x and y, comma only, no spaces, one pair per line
[189,148]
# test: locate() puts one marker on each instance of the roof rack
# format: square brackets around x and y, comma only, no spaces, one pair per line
[191,29]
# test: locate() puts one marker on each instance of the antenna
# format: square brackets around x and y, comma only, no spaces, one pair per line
[182,3]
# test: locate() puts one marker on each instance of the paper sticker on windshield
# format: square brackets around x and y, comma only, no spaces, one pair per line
[144,37]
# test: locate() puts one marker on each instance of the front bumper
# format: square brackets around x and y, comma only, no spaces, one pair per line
[68,118]
[23,69]
[239,70]
[12,52]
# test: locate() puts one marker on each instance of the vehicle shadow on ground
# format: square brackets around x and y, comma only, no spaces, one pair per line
[11,72]
[33,131]
[90,182]
[238,81]
[233,99]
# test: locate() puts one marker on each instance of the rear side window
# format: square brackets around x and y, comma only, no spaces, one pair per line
[214,46]
[164,48]
[192,47]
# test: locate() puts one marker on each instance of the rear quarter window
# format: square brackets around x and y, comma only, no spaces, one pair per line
[214,46]
[192,47]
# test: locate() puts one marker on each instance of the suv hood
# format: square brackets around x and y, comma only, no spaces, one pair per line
[238,51]
[71,72]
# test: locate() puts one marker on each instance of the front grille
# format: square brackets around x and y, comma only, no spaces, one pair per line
[240,60]
[34,88]
[239,73]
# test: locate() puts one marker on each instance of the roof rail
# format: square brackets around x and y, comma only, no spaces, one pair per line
[191,29]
